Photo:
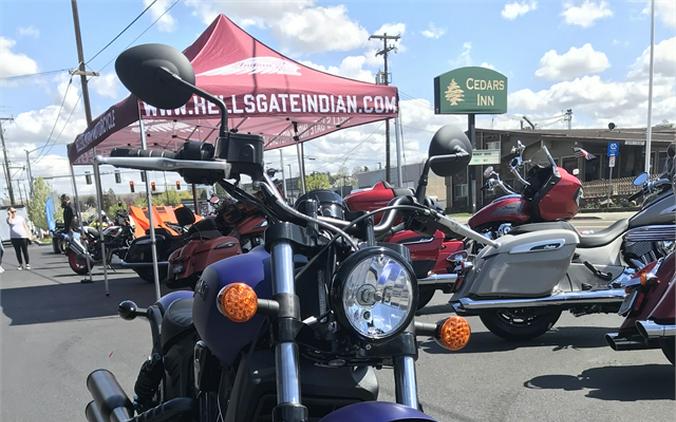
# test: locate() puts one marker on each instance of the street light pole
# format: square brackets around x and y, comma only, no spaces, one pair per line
[649,127]
[10,188]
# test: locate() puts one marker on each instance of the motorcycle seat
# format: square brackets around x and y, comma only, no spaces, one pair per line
[92,231]
[177,322]
[591,240]
[605,236]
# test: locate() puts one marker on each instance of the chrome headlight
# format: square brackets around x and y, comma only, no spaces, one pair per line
[375,293]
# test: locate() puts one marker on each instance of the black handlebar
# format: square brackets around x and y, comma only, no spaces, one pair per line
[135,152]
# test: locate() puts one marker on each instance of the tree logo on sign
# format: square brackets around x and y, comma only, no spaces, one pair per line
[454,94]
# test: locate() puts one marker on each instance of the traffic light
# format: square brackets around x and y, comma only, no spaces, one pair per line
[178,185]
[118,177]
[88,178]
[152,186]
[131,186]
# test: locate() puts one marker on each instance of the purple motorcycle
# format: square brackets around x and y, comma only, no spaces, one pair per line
[292,330]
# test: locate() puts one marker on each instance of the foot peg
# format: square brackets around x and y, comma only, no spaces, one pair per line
[598,273]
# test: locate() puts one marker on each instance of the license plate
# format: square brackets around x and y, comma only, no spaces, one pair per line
[628,303]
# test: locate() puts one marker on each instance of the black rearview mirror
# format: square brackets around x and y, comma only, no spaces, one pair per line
[150,71]
[450,151]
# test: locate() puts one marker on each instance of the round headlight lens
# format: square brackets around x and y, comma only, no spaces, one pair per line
[377,294]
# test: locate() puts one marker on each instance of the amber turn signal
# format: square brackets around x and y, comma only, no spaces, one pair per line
[238,302]
[454,333]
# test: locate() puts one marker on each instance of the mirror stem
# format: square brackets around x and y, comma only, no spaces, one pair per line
[211,98]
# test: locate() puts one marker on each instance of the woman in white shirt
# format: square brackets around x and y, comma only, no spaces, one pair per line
[19,233]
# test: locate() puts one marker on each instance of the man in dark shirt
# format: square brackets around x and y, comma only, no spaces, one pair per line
[68,213]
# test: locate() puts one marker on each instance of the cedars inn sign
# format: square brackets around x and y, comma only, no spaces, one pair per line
[470,90]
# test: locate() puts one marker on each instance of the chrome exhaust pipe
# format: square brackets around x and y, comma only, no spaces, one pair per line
[619,344]
[650,329]
[596,297]
[110,401]
[432,279]
[93,412]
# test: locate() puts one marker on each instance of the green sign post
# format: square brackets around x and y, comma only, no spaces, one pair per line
[471,90]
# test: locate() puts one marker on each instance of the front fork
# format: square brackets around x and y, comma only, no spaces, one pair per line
[285,327]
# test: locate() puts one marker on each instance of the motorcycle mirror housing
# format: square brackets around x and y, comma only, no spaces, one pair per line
[450,151]
[488,172]
[641,179]
[154,73]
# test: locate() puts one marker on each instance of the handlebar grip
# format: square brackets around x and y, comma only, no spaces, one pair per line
[135,152]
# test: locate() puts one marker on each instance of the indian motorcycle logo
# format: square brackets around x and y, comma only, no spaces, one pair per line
[454,94]
[256,65]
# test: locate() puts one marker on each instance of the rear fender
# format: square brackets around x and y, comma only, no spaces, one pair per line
[377,411]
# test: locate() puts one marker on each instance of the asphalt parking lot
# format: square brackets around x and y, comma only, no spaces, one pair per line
[55,330]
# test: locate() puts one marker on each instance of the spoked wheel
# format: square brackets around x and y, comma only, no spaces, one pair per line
[668,346]
[77,263]
[519,324]
[425,294]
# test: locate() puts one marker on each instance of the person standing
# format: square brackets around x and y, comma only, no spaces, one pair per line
[19,234]
[68,213]
[2,253]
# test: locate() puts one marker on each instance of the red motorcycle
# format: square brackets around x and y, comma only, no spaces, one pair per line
[434,258]
[549,193]
[649,309]
[234,228]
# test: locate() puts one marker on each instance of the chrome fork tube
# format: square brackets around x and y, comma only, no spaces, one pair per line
[405,382]
[286,353]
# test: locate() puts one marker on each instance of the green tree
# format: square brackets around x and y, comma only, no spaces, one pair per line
[317,181]
[36,205]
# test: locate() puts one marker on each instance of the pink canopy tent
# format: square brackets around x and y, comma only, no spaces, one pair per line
[265,92]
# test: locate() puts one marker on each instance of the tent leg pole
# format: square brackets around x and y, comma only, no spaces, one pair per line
[99,202]
[400,181]
[281,164]
[194,199]
[76,198]
[149,201]
[301,173]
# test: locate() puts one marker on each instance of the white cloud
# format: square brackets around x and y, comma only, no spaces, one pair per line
[574,62]
[319,29]
[167,23]
[665,10]
[28,31]
[586,13]
[432,31]
[13,64]
[350,67]
[106,85]
[464,58]
[300,25]
[664,60]
[515,9]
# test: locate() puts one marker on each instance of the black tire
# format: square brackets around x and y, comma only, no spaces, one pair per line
[519,324]
[56,245]
[425,294]
[667,346]
[147,274]
[77,263]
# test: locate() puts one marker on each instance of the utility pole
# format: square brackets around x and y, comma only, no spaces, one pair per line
[81,67]
[30,172]
[649,127]
[8,174]
[568,118]
[386,81]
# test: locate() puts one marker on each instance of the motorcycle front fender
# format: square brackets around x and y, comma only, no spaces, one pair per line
[376,411]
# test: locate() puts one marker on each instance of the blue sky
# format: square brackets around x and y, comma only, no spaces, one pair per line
[588,55]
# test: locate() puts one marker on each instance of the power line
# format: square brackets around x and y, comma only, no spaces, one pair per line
[58,114]
[45,149]
[31,75]
[121,32]
[142,33]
